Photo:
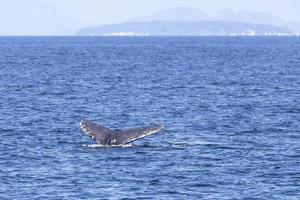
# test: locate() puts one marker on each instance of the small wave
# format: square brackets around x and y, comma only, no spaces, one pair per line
[184,144]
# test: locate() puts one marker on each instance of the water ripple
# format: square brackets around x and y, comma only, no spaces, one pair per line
[230,106]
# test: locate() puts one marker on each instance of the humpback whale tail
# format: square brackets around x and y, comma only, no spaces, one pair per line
[106,136]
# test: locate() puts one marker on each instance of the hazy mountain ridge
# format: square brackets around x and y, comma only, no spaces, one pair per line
[184,28]
[190,21]
[192,14]
[34,17]
[247,16]
[175,14]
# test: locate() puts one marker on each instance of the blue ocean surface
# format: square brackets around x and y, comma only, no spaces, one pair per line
[230,105]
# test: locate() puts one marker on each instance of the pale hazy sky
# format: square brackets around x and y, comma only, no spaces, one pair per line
[110,11]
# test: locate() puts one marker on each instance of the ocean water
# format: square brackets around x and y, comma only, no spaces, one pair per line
[230,105]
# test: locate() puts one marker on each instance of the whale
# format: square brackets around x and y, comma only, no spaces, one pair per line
[107,137]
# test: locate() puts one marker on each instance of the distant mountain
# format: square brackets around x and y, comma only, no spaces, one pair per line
[184,28]
[247,16]
[175,14]
[191,14]
[293,26]
[30,17]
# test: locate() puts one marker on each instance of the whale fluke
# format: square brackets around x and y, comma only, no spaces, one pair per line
[106,136]
[95,131]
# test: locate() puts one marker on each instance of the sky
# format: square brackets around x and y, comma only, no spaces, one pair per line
[51,17]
